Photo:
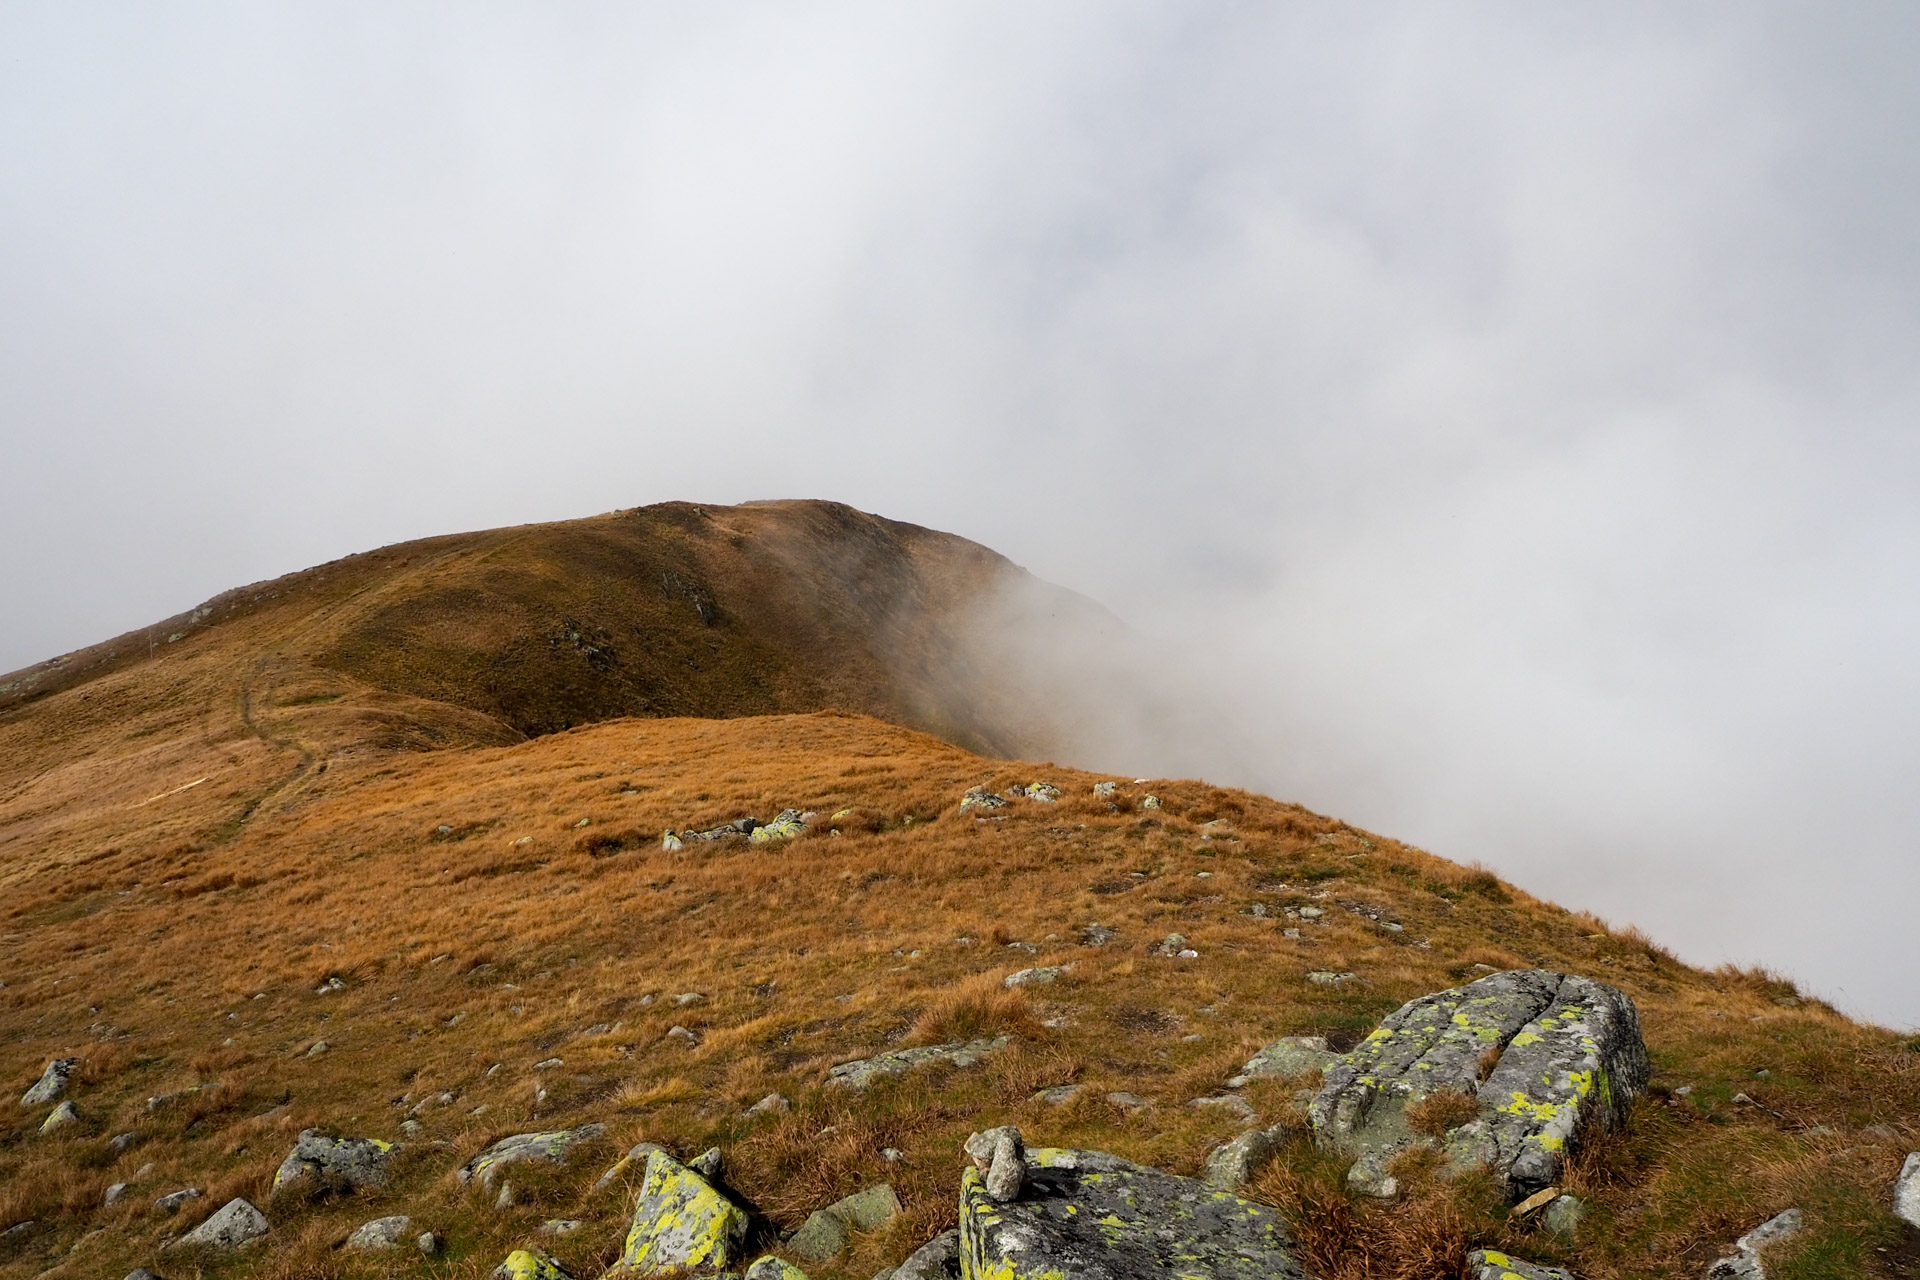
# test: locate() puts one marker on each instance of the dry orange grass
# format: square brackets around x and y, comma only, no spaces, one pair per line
[173,932]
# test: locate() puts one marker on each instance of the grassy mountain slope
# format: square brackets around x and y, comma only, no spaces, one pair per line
[191,845]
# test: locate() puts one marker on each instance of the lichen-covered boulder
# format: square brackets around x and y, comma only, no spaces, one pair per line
[1087,1215]
[523,1265]
[861,1074]
[319,1165]
[62,1116]
[380,1235]
[937,1259]
[768,1267]
[1540,1052]
[680,1222]
[237,1223]
[522,1148]
[788,824]
[52,1083]
[1491,1264]
[981,798]
[1286,1058]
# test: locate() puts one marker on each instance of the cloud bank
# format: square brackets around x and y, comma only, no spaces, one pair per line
[1501,419]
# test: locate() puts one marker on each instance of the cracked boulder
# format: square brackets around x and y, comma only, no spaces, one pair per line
[1087,1215]
[1540,1053]
[680,1223]
[319,1165]
[521,1148]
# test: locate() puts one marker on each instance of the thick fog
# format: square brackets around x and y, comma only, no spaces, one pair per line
[1501,418]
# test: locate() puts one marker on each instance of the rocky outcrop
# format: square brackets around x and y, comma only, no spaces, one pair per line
[319,1165]
[680,1222]
[236,1224]
[1491,1264]
[862,1073]
[52,1083]
[1540,1053]
[524,1147]
[1087,1215]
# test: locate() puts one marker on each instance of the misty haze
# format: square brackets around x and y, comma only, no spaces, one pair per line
[1488,428]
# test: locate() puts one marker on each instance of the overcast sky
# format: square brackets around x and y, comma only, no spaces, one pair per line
[1517,402]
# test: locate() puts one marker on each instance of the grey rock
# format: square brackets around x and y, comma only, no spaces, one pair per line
[981,798]
[551,1147]
[1088,1215]
[637,1156]
[1328,978]
[52,1083]
[683,1035]
[319,1165]
[116,1191]
[937,1259]
[862,1074]
[821,1237]
[1285,1059]
[380,1235]
[1059,1094]
[1566,1046]
[772,1104]
[1149,802]
[1746,1261]
[559,1226]
[121,1141]
[1368,1176]
[317,1048]
[1097,935]
[171,1202]
[1000,1155]
[61,1116]
[1128,1101]
[1044,792]
[524,1264]
[141,1273]
[427,1243]
[19,1229]
[1906,1191]
[680,1222]
[707,1164]
[1172,945]
[769,1267]
[869,1210]
[1036,977]
[1102,790]
[1564,1216]
[505,1200]
[1491,1264]
[160,1102]
[1237,1107]
[1234,1164]
[236,1224]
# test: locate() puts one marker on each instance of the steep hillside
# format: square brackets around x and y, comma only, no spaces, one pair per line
[304,868]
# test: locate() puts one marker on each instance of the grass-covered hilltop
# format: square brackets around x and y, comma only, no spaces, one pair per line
[317,913]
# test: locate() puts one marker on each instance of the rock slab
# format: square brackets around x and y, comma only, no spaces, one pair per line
[1286,1058]
[236,1224]
[526,1147]
[1491,1264]
[1540,1052]
[1746,1262]
[862,1074]
[1088,1215]
[680,1222]
[319,1165]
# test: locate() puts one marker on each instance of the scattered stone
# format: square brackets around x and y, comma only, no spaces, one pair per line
[317,1048]
[1233,1104]
[559,1226]
[1102,790]
[1311,913]
[1044,792]
[1097,935]
[1491,1264]
[1090,1214]
[892,1155]
[1327,978]
[768,1267]
[1036,977]
[1566,1050]
[787,824]
[121,1141]
[52,1083]
[1128,1101]
[1149,802]
[1745,1263]
[331,985]
[981,798]
[505,1200]
[772,1104]
[380,1235]
[670,842]
[1287,1058]
[549,1064]
[1234,1164]
[115,1191]
[427,1243]
[525,1147]
[61,1116]
[522,1265]
[862,1073]
[823,1236]
[411,1128]
[319,1165]
[236,1224]
[689,997]
[1258,910]
[171,1202]
[1368,1176]
[1173,945]
[680,1222]
[684,1036]
[1058,1095]
[637,1156]
[160,1102]
[141,1273]
[1000,1155]
[1906,1191]
[707,1164]
[937,1259]
[19,1229]
[1290,933]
